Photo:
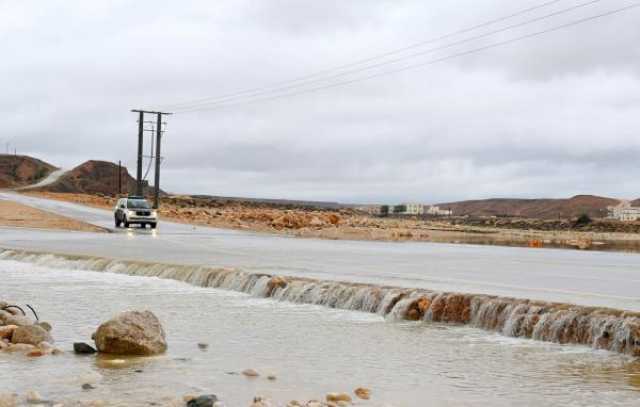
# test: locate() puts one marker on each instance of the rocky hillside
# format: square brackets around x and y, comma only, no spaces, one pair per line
[594,206]
[19,170]
[93,177]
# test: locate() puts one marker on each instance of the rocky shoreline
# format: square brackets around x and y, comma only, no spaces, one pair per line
[128,334]
[22,334]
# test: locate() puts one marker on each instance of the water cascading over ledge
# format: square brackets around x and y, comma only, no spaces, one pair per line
[600,328]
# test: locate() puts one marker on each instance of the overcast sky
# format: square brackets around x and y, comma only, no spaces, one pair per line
[550,116]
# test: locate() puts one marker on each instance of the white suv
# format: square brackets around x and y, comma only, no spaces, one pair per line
[135,210]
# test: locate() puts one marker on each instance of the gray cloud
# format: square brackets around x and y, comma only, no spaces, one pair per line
[551,116]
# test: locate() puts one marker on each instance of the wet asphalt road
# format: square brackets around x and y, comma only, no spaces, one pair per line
[587,278]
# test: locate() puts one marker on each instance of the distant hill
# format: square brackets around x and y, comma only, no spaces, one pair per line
[19,170]
[93,177]
[594,206]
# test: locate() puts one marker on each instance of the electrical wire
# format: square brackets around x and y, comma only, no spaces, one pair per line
[362,61]
[431,62]
[400,59]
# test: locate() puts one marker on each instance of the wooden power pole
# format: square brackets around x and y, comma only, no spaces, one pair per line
[156,156]
[119,177]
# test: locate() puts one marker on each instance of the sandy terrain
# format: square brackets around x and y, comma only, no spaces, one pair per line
[16,215]
[352,225]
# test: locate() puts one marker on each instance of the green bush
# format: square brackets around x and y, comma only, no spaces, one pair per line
[583,220]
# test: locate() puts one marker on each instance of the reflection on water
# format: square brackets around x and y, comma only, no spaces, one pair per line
[312,350]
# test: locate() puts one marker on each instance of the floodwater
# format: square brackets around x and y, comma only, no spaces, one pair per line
[312,350]
[601,279]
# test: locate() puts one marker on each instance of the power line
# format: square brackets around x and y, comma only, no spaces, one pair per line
[400,59]
[365,60]
[431,62]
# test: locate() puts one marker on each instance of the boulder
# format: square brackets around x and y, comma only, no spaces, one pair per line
[203,401]
[417,309]
[333,219]
[7,318]
[250,373]
[336,397]
[131,333]
[83,348]
[362,393]
[275,283]
[31,335]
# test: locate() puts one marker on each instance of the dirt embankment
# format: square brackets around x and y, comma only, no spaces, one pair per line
[18,170]
[13,214]
[354,225]
[95,177]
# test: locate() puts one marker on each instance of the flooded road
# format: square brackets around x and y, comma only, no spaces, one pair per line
[601,279]
[312,350]
[316,349]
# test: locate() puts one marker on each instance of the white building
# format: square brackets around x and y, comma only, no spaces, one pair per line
[624,212]
[436,211]
[412,209]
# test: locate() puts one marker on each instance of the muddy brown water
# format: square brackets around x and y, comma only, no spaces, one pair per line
[311,349]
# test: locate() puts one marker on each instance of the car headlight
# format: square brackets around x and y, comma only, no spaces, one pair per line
[130,213]
[154,214]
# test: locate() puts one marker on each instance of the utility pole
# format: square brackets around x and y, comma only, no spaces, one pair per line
[139,169]
[159,131]
[119,177]
[156,199]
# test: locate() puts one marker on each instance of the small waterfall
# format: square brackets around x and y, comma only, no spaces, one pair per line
[600,328]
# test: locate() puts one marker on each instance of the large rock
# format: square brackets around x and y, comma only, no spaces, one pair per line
[337,397]
[362,393]
[8,318]
[31,335]
[131,333]
[83,348]
[208,400]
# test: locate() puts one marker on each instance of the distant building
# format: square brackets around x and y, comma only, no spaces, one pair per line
[436,211]
[624,212]
[411,209]
[408,209]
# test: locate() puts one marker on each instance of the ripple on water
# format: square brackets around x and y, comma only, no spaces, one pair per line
[312,349]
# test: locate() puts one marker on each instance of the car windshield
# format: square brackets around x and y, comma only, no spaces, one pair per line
[138,204]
